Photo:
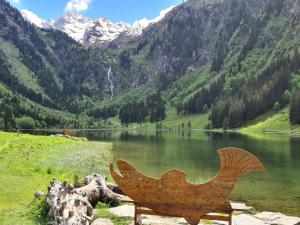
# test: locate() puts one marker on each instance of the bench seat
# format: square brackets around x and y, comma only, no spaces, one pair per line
[219,216]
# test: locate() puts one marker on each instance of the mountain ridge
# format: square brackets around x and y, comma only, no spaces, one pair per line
[91,32]
[202,57]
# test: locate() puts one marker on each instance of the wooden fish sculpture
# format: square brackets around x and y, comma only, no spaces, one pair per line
[173,195]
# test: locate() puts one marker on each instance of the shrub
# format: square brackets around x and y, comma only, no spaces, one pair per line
[49,170]
[205,109]
[295,108]
[38,210]
[208,126]
[276,106]
[287,97]
[25,123]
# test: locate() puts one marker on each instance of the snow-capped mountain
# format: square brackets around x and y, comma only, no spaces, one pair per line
[103,31]
[75,25]
[89,31]
[33,18]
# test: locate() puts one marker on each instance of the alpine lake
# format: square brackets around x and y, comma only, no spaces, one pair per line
[195,153]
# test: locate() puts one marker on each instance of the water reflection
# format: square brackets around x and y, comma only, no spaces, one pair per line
[295,149]
[195,152]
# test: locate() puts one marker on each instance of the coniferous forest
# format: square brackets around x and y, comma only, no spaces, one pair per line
[235,60]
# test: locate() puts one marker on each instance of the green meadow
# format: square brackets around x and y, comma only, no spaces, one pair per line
[272,122]
[28,163]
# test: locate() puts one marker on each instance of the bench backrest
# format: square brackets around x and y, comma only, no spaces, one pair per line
[69,133]
[173,195]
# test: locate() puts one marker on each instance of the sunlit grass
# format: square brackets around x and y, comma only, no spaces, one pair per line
[174,121]
[103,212]
[28,163]
[272,122]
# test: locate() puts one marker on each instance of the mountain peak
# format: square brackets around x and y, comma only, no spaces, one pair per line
[89,31]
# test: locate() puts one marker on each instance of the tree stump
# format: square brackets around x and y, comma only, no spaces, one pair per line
[74,206]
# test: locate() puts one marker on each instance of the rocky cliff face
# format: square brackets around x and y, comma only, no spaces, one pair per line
[85,30]
[90,32]
[228,38]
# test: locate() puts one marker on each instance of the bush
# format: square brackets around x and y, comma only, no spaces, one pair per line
[25,123]
[2,125]
[208,126]
[295,108]
[205,109]
[38,210]
[49,170]
[276,106]
[287,97]
[225,124]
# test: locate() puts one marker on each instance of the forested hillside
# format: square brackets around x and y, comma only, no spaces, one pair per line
[233,59]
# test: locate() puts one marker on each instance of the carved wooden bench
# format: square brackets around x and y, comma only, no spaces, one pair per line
[69,133]
[172,195]
[219,216]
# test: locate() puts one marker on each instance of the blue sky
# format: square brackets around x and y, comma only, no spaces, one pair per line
[115,10]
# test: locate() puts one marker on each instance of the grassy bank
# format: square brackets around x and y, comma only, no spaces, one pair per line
[272,122]
[28,163]
[172,120]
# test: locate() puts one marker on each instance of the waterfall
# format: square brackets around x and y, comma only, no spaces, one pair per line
[110,80]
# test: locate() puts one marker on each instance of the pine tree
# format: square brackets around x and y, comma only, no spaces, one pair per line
[295,108]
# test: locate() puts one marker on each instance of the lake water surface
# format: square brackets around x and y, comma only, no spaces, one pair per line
[195,152]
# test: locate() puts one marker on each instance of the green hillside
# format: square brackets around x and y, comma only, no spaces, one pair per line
[230,60]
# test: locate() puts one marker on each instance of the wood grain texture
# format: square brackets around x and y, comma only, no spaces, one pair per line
[173,195]
[70,133]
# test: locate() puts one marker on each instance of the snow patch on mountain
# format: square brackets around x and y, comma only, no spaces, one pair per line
[88,31]
[146,22]
[74,25]
[33,18]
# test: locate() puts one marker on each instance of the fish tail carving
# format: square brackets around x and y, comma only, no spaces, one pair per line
[239,161]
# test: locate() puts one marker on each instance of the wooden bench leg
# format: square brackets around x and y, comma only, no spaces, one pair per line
[230,218]
[137,217]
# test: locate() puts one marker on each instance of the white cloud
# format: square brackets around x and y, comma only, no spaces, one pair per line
[145,22]
[78,5]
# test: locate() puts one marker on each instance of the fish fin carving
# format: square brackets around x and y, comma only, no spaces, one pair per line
[174,178]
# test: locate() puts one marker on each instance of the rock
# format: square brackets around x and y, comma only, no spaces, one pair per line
[182,221]
[245,219]
[158,220]
[241,206]
[39,194]
[102,221]
[278,218]
[264,218]
[123,211]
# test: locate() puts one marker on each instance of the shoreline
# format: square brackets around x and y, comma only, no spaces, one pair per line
[54,172]
[238,131]
[250,217]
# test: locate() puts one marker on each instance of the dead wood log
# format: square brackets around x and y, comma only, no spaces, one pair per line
[74,206]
